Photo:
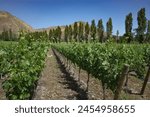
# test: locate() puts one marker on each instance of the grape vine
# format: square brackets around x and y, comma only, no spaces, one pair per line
[22,63]
[106,61]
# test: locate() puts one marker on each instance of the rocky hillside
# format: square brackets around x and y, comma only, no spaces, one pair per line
[8,21]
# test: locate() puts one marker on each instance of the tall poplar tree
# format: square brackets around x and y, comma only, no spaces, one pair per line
[128,27]
[50,35]
[75,31]
[148,32]
[117,36]
[66,34]
[87,30]
[141,25]
[93,30]
[81,30]
[10,34]
[70,33]
[109,28]
[100,30]
[58,31]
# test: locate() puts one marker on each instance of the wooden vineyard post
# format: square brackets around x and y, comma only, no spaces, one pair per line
[69,64]
[126,82]
[79,74]
[145,81]
[121,81]
[87,88]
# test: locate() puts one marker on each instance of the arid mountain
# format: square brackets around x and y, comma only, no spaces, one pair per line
[8,21]
[49,28]
[54,27]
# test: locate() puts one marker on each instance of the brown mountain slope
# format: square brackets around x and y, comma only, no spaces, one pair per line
[54,27]
[8,21]
[50,28]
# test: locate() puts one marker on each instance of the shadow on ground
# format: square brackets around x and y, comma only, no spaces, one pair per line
[71,82]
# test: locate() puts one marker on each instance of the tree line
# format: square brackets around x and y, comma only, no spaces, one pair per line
[80,31]
[85,32]
[8,35]
[142,32]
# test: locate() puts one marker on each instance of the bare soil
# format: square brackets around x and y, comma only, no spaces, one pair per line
[56,83]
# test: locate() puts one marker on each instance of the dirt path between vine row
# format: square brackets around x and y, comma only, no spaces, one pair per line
[55,83]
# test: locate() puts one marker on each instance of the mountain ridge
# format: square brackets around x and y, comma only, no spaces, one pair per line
[9,21]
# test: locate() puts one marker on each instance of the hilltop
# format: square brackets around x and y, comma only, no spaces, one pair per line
[8,21]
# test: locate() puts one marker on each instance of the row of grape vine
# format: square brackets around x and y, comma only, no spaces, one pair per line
[106,61]
[21,64]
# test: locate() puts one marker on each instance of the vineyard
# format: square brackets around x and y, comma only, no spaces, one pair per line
[106,61]
[23,62]
[21,65]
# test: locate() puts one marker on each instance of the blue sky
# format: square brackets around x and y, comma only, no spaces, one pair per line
[45,13]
